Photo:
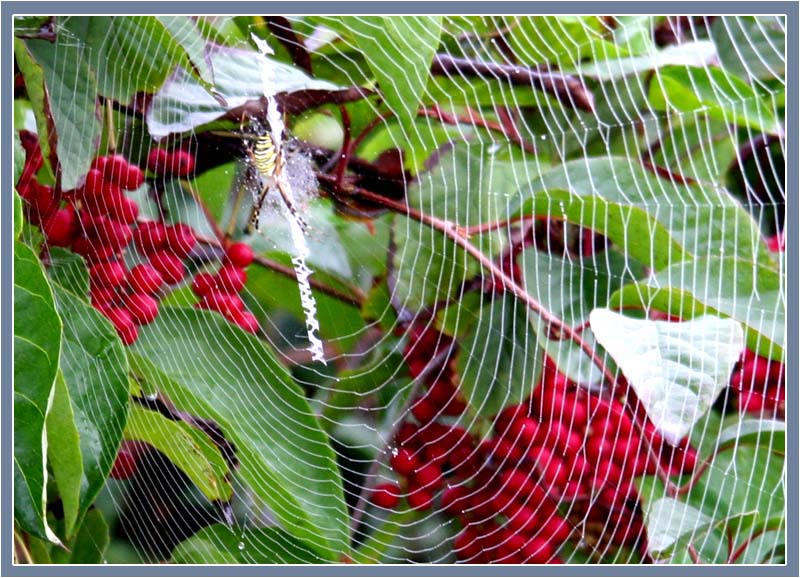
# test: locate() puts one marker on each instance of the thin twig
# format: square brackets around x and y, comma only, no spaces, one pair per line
[355,297]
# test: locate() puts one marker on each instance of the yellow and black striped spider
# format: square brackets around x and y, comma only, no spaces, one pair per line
[269,162]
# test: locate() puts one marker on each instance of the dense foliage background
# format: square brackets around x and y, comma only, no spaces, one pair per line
[482,185]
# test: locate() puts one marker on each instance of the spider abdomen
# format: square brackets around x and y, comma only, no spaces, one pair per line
[265,156]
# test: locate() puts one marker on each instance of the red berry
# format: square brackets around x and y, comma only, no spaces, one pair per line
[180,239]
[110,232]
[144,278]
[123,323]
[225,303]
[246,320]
[557,529]
[123,209]
[102,297]
[466,545]
[455,500]
[523,519]
[124,465]
[240,255]
[776,243]
[404,462]
[142,307]
[419,499]
[133,178]
[386,496]
[109,274]
[114,168]
[424,410]
[232,279]
[429,477]
[157,160]
[150,236]
[92,184]
[93,251]
[181,163]
[170,267]
[60,229]
[203,284]
[538,551]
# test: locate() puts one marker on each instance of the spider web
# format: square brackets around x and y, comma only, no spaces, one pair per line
[639,168]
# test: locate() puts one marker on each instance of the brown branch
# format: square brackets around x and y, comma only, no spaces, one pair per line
[281,28]
[475,119]
[568,89]
[693,554]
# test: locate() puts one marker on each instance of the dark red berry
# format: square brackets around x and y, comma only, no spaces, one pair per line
[170,266]
[246,320]
[124,465]
[455,500]
[123,323]
[109,274]
[424,410]
[224,303]
[404,462]
[110,232]
[144,278]
[240,255]
[123,209]
[114,168]
[429,477]
[386,496]
[102,297]
[419,499]
[61,228]
[150,236]
[92,250]
[133,178]
[231,278]
[157,160]
[180,239]
[538,551]
[203,284]
[92,184]
[142,307]
[181,163]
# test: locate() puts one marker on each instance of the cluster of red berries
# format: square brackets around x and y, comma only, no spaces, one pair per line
[220,291]
[559,466]
[99,222]
[177,162]
[760,385]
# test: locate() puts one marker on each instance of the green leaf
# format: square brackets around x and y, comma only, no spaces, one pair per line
[752,47]
[766,433]
[559,40]
[631,228]
[186,447]
[19,158]
[671,523]
[723,95]
[96,374]
[750,293]
[698,53]
[90,543]
[373,550]
[704,220]
[428,267]
[114,46]
[18,218]
[399,50]
[284,456]
[37,342]
[570,289]
[220,544]
[499,361]
[35,88]
[71,102]
[182,104]
[64,454]
[676,369]
[69,270]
